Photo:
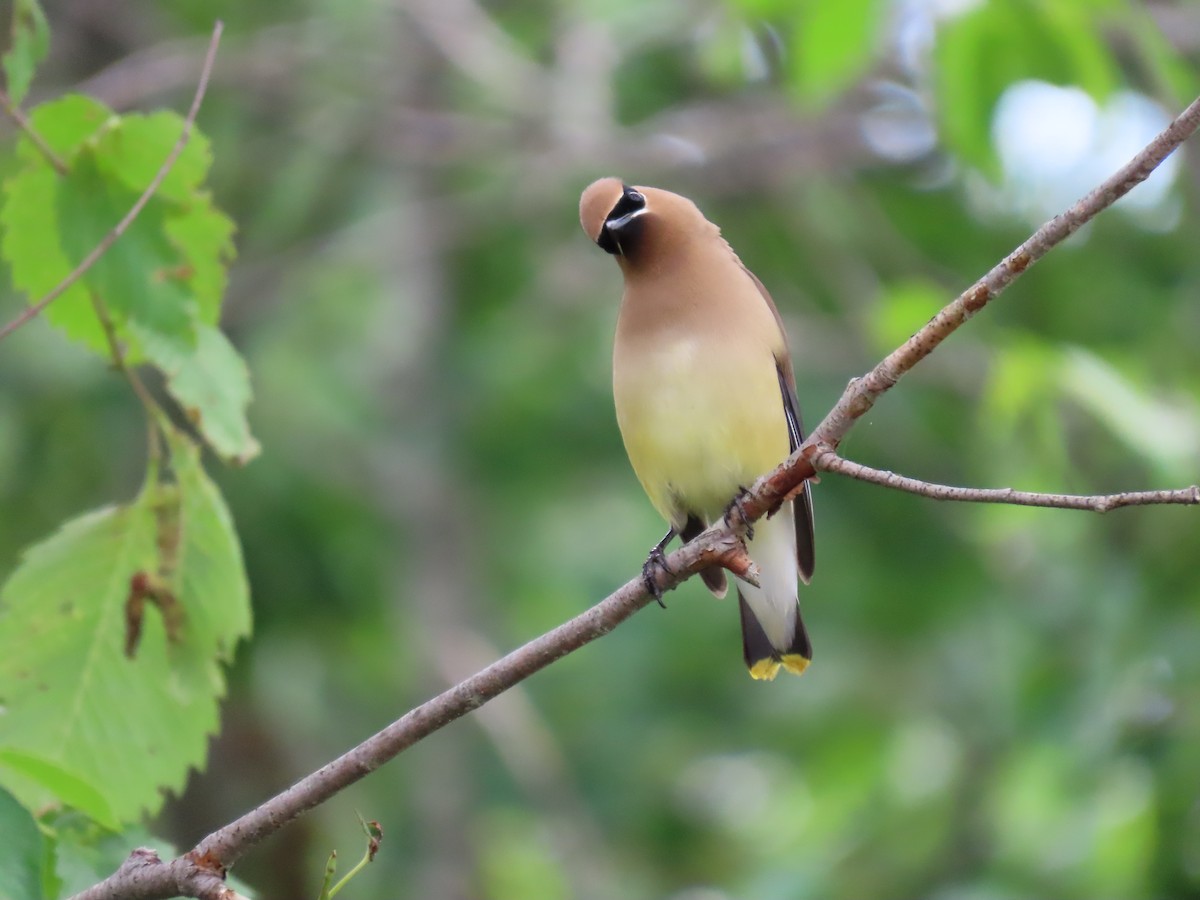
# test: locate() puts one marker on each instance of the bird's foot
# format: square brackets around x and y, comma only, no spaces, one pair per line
[656,560]
[743,521]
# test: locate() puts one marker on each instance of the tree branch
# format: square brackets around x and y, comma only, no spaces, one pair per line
[143,874]
[22,121]
[119,229]
[719,545]
[824,459]
[860,395]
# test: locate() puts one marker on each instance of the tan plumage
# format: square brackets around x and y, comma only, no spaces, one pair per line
[705,396]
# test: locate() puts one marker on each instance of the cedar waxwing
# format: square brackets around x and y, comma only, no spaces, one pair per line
[706,398]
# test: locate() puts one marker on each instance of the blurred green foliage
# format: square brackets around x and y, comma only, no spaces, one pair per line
[1004,702]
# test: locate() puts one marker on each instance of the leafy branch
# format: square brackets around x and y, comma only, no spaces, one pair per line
[119,229]
[14,112]
[198,873]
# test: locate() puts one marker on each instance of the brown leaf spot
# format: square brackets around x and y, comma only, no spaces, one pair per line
[375,830]
[144,587]
[135,611]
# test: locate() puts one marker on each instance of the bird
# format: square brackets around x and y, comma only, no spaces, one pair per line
[705,397]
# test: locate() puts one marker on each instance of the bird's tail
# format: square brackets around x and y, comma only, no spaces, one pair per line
[763,658]
[773,632]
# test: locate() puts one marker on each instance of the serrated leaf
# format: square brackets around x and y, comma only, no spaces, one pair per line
[204,235]
[64,124]
[132,728]
[210,574]
[167,271]
[133,148]
[212,385]
[21,853]
[67,786]
[30,245]
[140,278]
[28,46]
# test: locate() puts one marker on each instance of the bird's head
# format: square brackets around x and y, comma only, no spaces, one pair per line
[638,223]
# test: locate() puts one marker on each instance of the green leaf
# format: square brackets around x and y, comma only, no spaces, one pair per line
[165,273]
[29,44]
[65,125]
[67,786]
[140,277]
[21,852]
[132,728]
[133,148]
[833,44]
[211,578]
[212,384]
[31,247]
[204,235]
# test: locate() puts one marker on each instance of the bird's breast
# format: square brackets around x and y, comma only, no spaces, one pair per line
[701,415]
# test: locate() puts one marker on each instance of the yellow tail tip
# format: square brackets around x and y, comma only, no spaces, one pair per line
[795,663]
[764,670]
[767,669]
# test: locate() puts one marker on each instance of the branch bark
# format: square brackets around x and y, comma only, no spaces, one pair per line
[720,545]
[134,211]
[860,395]
[824,459]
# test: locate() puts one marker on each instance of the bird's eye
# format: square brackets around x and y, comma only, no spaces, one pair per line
[631,201]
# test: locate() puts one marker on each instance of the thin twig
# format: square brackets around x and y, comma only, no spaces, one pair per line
[154,448]
[111,238]
[824,459]
[860,395]
[719,545]
[18,116]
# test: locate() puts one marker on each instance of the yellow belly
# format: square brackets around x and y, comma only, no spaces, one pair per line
[699,422]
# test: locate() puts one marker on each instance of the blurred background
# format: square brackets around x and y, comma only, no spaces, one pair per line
[1005,703]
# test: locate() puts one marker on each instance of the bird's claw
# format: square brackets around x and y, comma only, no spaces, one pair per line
[656,560]
[736,503]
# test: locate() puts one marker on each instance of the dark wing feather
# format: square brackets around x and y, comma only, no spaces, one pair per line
[802,507]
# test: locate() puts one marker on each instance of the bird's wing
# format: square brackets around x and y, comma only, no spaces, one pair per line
[802,507]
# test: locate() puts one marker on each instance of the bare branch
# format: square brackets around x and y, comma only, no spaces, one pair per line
[860,395]
[720,545]
[119,229]
[143,874]
[22,121]
[824,459]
